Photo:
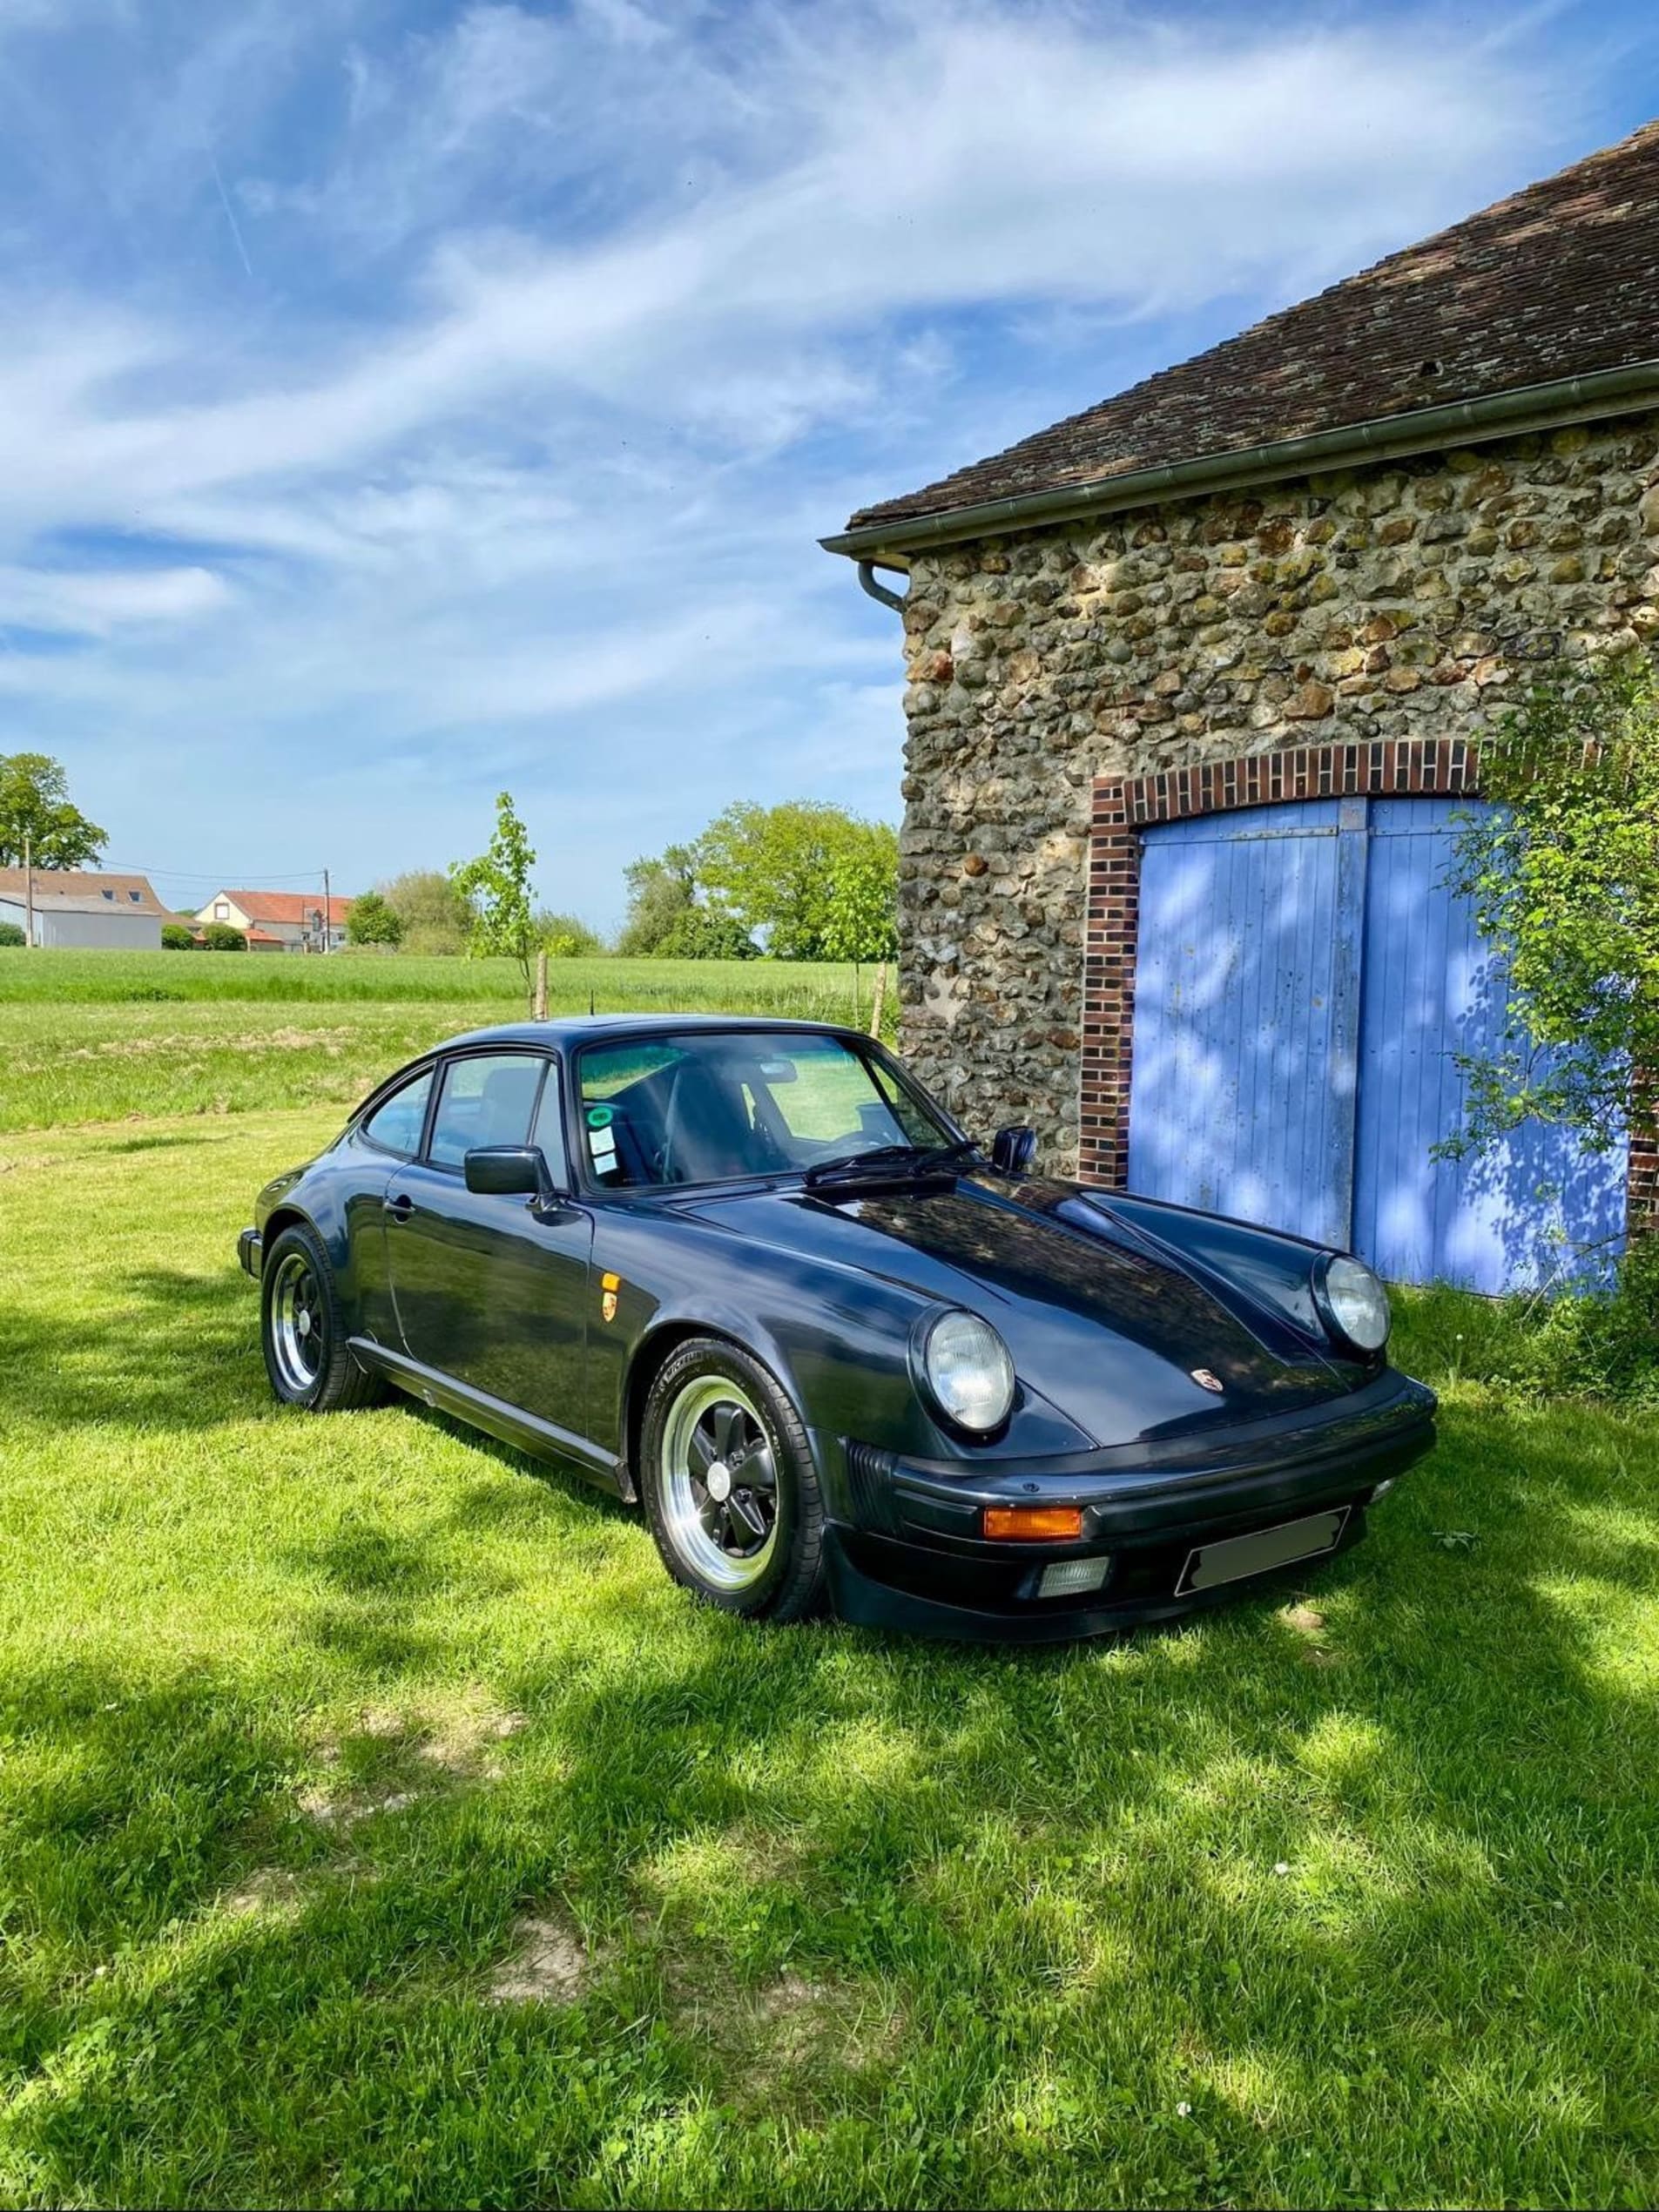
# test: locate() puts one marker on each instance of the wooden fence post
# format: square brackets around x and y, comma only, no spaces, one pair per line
[877,997]
[540,985]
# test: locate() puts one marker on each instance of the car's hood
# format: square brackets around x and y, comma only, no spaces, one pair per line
[1109,1330]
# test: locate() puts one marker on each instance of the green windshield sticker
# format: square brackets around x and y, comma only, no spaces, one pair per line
[601,1117]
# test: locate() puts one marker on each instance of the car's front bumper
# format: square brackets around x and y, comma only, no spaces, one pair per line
[906,1550]
[250,1251]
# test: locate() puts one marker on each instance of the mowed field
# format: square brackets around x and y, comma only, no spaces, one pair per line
[215,1033]
[378,1825]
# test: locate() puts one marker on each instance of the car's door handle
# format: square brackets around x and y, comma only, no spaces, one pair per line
[400,1207]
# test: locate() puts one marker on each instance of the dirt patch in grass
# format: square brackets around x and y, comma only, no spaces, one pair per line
[458,1746]
[795,2023]
[349,1808]
[393,1756]
[806,2027]
[271,1892]
[551,1964]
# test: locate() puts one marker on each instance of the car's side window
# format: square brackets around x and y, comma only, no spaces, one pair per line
[396,1123]
[486,1098]
[548,1131]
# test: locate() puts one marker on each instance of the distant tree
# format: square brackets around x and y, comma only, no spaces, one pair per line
[374,921]
[565,936]
[433,916]
[35,809]
[496,886]
[776,869]
[862,922]
[11,934]
[703,932]
[863,919]
[659,892]
[177,938]
[224,937]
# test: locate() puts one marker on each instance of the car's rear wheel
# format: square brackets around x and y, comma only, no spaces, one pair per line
[729,1488]
[307,1356]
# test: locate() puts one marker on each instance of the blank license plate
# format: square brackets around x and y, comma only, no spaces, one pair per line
[1262,1549]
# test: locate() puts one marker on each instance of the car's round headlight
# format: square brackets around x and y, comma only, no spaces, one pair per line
[1354,1302]
[968,1373]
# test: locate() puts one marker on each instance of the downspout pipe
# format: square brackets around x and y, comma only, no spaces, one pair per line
[868,582]
[1524,407]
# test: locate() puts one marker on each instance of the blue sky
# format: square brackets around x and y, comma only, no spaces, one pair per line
[401,402]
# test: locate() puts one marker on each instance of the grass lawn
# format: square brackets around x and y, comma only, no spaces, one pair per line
[103,1036]
[378,1825]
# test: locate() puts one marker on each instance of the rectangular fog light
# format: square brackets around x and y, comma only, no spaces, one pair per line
[1071,1577]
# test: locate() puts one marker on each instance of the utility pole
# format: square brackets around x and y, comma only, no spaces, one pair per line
[327,916]
[29,892]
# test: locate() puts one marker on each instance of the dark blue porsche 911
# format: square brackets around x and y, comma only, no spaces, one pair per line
[747,1275]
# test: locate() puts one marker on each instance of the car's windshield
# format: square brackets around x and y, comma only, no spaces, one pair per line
[705,1108]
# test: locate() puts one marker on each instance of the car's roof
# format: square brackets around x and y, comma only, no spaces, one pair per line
[586,1028]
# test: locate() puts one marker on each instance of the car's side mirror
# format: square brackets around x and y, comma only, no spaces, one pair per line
[510,1172]
[1014,1149]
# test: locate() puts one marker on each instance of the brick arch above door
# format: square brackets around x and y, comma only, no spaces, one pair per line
[1124,808]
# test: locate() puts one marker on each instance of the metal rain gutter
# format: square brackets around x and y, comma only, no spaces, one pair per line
[1530,407]
[867,583]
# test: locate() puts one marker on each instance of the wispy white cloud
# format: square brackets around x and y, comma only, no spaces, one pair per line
[556,338]
[96,602]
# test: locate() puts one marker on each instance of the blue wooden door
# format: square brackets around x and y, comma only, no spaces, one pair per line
[1246,1006]
[1538,1208]
[1305,981]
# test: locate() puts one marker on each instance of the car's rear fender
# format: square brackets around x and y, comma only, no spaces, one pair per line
[313,1197]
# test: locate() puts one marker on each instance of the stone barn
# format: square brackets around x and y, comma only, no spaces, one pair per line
[1196,684]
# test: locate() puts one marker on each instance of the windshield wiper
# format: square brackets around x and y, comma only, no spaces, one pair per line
[914,1159]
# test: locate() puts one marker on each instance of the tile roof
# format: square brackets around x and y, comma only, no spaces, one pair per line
[1557,280]
[85,887]
[294,907]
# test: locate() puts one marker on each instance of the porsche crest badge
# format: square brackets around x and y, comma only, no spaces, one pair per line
[1205,1380]
[608,1285]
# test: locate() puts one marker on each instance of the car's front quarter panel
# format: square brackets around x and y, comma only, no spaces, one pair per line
[840,1343]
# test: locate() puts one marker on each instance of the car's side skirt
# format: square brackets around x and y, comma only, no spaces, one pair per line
[494,1415]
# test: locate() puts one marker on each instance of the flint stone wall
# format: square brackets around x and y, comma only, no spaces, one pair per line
[1411,599]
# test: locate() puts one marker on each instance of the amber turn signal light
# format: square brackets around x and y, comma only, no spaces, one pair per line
[1033,1524]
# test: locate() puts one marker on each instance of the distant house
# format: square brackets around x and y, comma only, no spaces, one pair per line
[77,907]
[281,922]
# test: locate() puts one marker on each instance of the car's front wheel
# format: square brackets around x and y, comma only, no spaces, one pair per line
[307,1356]
[728,1484]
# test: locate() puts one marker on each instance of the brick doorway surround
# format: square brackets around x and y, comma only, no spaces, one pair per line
[1426,767]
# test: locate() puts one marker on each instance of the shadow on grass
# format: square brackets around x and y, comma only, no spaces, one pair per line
[1052,1875]
[153,1347]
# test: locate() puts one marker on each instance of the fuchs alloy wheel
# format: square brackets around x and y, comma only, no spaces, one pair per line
[306,1352]
[729,1490]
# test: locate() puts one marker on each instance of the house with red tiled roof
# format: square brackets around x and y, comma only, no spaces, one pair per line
[83,908]
[281,922]
[1196,682]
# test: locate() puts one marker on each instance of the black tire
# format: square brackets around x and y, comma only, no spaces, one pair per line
[777,1577]
[302,1334]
